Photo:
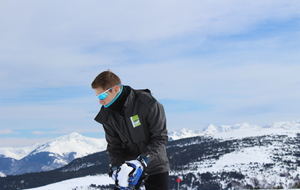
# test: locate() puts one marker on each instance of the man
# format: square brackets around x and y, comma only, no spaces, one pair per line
[135,129]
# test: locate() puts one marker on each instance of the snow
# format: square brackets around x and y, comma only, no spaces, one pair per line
[79,183]
[63,145]
[183,133]
[73,142]
[83,146]
[286,125]
[17,153]
[124,171]
[252,132]
[250,160]
[211,129]
[256,162]
[238,158]
[2,174]
[238,130]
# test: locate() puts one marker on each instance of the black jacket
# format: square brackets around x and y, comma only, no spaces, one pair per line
[139,130]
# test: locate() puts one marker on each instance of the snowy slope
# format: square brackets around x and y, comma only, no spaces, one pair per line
[240,155]
[183,133]
[237,131]
[48,156]
[73,142]
[81,183]
[2,175]
[212,129]
[268,165]
[285,125]
[62,150]
[251,132]
[273,161]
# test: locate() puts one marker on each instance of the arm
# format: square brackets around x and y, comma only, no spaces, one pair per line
[159,136]
[114,147]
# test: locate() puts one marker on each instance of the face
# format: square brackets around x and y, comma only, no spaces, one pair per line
[111,94]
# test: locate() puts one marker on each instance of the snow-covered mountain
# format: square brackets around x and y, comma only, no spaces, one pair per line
[2,174]
[73,144]
[50,155]
[223,130]
[17,152]
[293,125]
[62,150]
[244,149]
[183,133]
[232,157]
[242,158]
[212,129]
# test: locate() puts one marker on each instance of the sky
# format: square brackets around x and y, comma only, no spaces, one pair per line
[208,62]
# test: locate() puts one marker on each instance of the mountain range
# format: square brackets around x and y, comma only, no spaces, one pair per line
[62,150]
[48,156]
[58,152]
[239,156]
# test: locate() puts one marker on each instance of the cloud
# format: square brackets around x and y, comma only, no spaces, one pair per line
[20,142]
[57,47]
[208,61]
[7,131]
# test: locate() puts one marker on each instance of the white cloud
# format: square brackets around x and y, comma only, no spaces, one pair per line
[7,131]
[48,41]
[20,142]
[220,53]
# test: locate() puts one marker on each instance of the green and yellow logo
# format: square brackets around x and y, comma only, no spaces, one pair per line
[135,120]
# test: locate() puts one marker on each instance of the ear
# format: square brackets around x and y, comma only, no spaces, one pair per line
[116,89]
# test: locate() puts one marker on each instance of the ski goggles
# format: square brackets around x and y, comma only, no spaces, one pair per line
[104,94]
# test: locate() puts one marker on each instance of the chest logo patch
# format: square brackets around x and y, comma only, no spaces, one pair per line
[135,120]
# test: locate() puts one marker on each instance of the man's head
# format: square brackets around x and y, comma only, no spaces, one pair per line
[106,82]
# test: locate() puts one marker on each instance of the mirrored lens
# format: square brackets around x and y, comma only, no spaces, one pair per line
[102,96]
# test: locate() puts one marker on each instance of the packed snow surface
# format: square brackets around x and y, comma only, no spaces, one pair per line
[80,183]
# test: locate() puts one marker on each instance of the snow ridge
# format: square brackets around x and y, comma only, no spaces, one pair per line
[237,130]
[184,133]
[2,174]
[73,142]
[63,145]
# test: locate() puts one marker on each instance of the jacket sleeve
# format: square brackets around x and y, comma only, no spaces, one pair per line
[158,133]
[114,146]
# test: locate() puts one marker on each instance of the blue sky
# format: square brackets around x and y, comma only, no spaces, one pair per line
[219,62]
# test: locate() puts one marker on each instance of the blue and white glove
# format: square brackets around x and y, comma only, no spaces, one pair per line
[113,172]
[121,176]
[139,165]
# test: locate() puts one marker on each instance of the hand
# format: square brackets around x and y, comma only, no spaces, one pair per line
[121,174]
[139,165]
[113,172]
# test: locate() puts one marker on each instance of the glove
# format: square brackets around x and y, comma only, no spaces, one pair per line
[121,174]
[113,172]
[138,166]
